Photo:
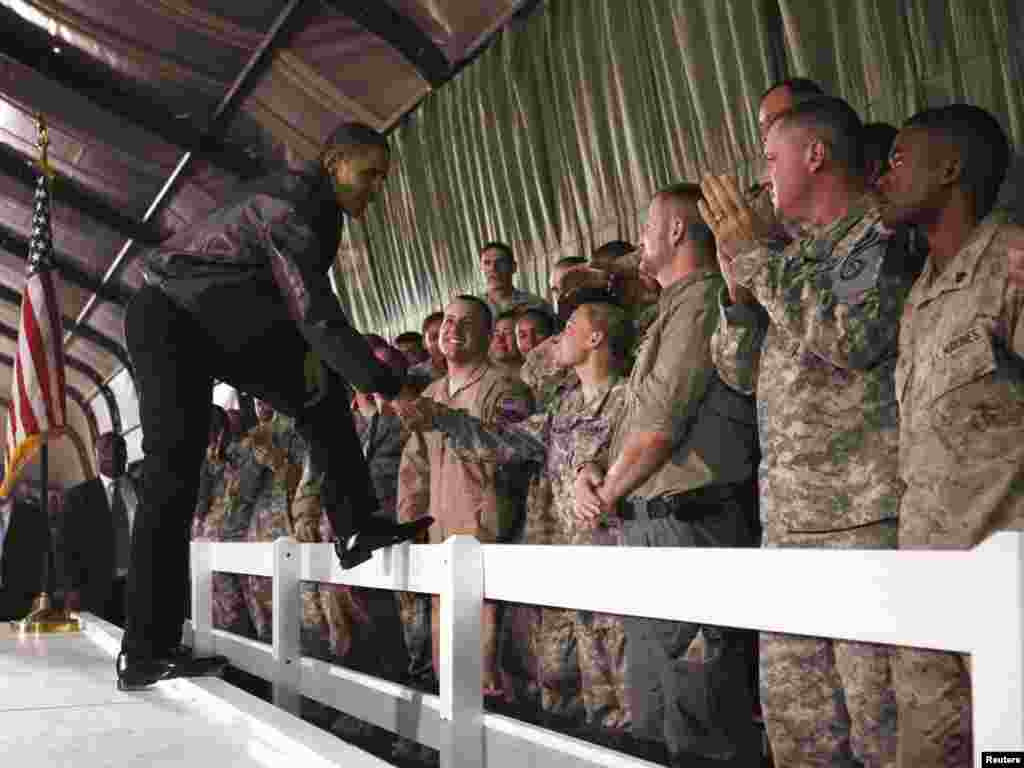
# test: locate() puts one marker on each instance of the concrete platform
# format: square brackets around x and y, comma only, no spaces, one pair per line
[59,707]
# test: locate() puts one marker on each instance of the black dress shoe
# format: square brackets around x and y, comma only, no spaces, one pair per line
[376,534]
[136,674]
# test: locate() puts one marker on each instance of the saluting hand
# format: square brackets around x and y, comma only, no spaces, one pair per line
[737,226]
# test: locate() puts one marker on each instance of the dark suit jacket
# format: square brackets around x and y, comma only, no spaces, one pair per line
[25,563]
[85,542]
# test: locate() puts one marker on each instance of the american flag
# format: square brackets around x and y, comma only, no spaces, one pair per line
[37,409]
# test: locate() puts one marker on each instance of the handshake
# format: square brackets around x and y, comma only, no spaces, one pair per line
[417,414]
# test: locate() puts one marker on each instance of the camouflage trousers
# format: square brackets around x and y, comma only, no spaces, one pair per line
[933,691]
[582,656]
[519,664]
[357,627]
[414,610]
[229,606]
[829,702]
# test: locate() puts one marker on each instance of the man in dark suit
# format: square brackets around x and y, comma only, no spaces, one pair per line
[268,249]
[24,556]
[95,535]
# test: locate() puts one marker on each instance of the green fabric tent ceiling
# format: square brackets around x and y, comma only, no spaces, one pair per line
[555,139]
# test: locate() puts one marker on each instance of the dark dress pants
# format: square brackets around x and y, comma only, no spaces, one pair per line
[175,361]
[694,705]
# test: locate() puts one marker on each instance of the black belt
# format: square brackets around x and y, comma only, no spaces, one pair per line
[691,505]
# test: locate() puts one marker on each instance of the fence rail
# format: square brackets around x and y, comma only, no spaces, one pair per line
[970,602]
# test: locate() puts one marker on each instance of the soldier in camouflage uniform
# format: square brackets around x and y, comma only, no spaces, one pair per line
[218,484]
[270,458]
[812,331]
[579,423]
[960,382]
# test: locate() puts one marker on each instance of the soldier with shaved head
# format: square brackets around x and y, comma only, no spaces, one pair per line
[679,473]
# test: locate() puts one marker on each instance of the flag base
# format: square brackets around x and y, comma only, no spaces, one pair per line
[43,619]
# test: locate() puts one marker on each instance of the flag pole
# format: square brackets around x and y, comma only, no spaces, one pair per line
[43,619]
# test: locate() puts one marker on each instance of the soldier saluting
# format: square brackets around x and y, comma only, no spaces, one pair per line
[812,330]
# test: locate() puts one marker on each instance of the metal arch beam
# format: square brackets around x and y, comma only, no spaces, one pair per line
[73,393]
[18,245]
[23,168]
[32,47]
[280,31]
[107,344]
[402,34]
[86,370]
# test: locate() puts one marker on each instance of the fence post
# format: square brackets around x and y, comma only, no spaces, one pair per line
[461,663]
[997,661]
[201,558]
[287,612]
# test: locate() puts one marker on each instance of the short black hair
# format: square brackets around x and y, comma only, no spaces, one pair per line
[876,141]
[470,298]
[613,249]
[409,337]
[544,320]
[569,261]
[837,124]
[349,135]
[433,317]
[980,141]
[505,248]
[508,314]
[801,88]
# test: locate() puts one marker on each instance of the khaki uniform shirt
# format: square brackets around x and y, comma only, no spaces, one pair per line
[464,495]
[554,441]
[820,352]
[673,388]
[960,382]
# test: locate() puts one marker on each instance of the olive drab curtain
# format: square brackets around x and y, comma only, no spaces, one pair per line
[556,138]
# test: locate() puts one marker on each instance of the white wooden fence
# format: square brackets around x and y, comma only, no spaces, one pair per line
[960,601]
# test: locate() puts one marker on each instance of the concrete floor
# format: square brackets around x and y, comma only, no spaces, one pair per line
[59,707]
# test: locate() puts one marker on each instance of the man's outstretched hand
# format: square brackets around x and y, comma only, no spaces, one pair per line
[416,413]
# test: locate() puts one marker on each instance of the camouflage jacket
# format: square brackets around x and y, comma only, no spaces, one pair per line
[556,441]
[217,475]
[543,374]
[820,351]
[960,381]
[247,495]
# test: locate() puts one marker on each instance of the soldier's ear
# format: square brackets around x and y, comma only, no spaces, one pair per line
[815,155]
[677,232]
[952,169]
